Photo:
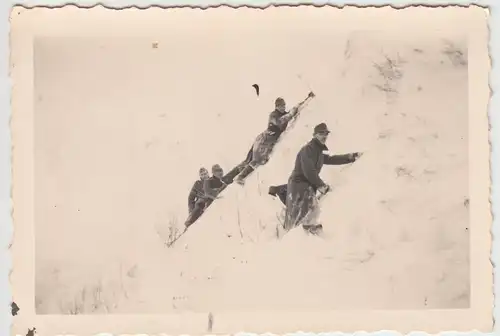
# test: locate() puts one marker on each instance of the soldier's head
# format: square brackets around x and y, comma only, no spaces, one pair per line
[321,132]
[204,173]
[217,171]
[280,104]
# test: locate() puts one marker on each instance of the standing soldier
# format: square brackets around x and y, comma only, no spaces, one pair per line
[304,181]
[264,143]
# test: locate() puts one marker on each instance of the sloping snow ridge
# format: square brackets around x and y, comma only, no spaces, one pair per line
[395,235]
[395,225]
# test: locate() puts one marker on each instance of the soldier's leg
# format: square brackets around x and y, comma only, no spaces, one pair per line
[233,173]
[255,158]
[249,155]
[282,193]
[294,204]
[229,177]
[301,203]
[265,149]
[311,219]
[289,208]
[279,191]
[198,210]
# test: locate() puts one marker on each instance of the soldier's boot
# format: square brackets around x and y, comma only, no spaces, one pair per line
[273,190]
[315,229]
[240,179]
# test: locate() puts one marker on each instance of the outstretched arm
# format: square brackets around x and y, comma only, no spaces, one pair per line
[296,109]
[281,120]
[278,121]
[340,159]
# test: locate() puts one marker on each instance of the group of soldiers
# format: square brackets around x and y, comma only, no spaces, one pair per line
[298,194]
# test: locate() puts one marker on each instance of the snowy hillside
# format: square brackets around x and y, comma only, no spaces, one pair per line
[391,219]
[396,223]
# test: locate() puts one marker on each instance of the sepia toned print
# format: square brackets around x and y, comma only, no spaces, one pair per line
[261,170]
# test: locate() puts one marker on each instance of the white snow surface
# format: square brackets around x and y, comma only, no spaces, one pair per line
[396,227]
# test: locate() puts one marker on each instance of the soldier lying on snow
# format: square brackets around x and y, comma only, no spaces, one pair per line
[264,143]
[299,195]
[206,190]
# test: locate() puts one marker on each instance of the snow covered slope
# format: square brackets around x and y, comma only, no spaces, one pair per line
[396,223]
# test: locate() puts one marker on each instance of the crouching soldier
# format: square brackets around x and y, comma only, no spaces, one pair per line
[196,198]
[213,186]
[304,181]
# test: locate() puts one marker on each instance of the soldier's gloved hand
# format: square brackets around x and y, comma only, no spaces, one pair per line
[311,95]
[324,189]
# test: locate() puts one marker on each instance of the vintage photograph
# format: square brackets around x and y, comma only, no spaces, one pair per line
[293,159]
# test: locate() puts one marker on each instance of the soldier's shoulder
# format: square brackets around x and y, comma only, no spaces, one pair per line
[304,149]
[307,148]
[308,145]
[274,114]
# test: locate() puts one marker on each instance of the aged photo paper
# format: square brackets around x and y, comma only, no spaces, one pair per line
[190,171]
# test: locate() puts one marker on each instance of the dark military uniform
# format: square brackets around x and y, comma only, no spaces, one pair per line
[264,143]
[196,202]
[210,189]
[213,187]
[195,194]
[305,181]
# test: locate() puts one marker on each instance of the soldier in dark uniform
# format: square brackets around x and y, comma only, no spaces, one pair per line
[196,198]
[304,181]
[209,188]
[213,186]
[264,143]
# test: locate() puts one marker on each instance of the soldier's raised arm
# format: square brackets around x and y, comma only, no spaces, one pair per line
[279,120]
[340,159]
[296,109]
